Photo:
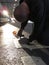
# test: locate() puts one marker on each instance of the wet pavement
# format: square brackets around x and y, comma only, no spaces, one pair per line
[12,52]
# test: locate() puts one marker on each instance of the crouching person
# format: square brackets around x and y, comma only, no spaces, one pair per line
[34,10]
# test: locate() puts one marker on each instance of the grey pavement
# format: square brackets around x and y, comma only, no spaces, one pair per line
[12,52]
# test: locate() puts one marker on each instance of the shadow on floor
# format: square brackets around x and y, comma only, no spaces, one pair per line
[36,52]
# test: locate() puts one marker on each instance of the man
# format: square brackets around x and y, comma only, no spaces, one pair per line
[37,11]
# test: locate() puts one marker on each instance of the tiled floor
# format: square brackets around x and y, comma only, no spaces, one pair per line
[14,53]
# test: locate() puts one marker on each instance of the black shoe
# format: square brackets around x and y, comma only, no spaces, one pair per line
[29,43]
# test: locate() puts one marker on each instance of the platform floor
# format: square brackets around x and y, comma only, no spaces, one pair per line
[12,52]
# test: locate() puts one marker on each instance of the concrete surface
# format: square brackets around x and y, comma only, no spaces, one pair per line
[12,52]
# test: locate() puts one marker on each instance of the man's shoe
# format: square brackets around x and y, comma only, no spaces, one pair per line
[29,43]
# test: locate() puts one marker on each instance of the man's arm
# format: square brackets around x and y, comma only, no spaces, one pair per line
[22,28]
